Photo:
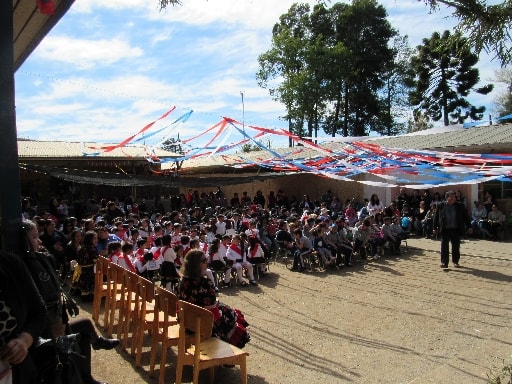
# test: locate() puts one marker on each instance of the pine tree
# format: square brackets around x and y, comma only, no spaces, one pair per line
[444,77]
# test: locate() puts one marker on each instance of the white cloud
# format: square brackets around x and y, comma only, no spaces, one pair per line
[85,53]
[112,67]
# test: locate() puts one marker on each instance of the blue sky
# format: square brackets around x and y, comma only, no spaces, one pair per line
[110,67]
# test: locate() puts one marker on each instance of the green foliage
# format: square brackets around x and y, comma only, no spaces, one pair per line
[246,148]
[173,145]
[444,75]
[330,67]
[419,122]
[501,371]
[487,27]
[165,3]
[394,94]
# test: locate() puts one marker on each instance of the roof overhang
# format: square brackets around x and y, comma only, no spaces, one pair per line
[81,176]
[31,26]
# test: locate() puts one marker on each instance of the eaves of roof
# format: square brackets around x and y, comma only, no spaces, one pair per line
[82,176]
[486,139]
[30,26]
[32,149]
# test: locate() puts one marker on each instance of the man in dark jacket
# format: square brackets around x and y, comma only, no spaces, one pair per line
[451,220]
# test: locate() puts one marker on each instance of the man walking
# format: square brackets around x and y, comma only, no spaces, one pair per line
[451,221]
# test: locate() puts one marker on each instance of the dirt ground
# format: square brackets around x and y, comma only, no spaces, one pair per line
[393,320]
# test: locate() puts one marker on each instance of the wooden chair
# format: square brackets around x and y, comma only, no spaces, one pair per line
[101,288]
[144,297]
[165,333]
[205,351]
[116,292]
[126,307]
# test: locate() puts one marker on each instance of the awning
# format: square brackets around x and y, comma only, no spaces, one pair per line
[113,179]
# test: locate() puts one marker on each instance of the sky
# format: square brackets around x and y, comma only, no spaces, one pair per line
[109,68]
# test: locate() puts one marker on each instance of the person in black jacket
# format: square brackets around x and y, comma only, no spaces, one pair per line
[22,320]
[451,220]
[46,280]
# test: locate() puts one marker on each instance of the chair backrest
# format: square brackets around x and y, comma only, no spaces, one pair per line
[166,302]
[195,319]
[145,289]
[102,265]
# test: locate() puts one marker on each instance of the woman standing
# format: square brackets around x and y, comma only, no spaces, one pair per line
[229,324]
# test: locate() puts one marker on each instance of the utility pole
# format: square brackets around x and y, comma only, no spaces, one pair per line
[243,111]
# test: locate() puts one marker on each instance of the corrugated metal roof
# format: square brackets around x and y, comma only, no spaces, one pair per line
[495,138]
[471,137]
[63,149]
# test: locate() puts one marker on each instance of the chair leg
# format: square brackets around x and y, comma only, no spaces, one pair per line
[243,370]
[212,375]
[179,372]
[163,359]
[195,379]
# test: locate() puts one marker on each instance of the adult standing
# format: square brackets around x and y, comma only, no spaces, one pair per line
[451,221]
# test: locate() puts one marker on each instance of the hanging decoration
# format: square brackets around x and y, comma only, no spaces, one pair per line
[387,166]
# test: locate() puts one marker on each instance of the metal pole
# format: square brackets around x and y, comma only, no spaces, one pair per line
[243,111]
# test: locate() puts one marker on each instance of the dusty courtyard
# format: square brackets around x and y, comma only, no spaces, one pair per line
[393,320]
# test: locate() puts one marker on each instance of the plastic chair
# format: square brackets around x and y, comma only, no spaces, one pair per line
[204,351]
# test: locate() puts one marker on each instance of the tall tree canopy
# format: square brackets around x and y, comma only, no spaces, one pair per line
[328,67]
[487,27]
[444,77]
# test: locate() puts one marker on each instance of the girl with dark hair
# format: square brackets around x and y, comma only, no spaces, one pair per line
[374,205]
[196,288]
[86,259]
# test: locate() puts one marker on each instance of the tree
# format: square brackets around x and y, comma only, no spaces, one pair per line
[444,76]
[174,145]
[364,32]
[165,3]
[293,70]
[326,66]
[487,27]
[419,122]
[503,101]
[394,95]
